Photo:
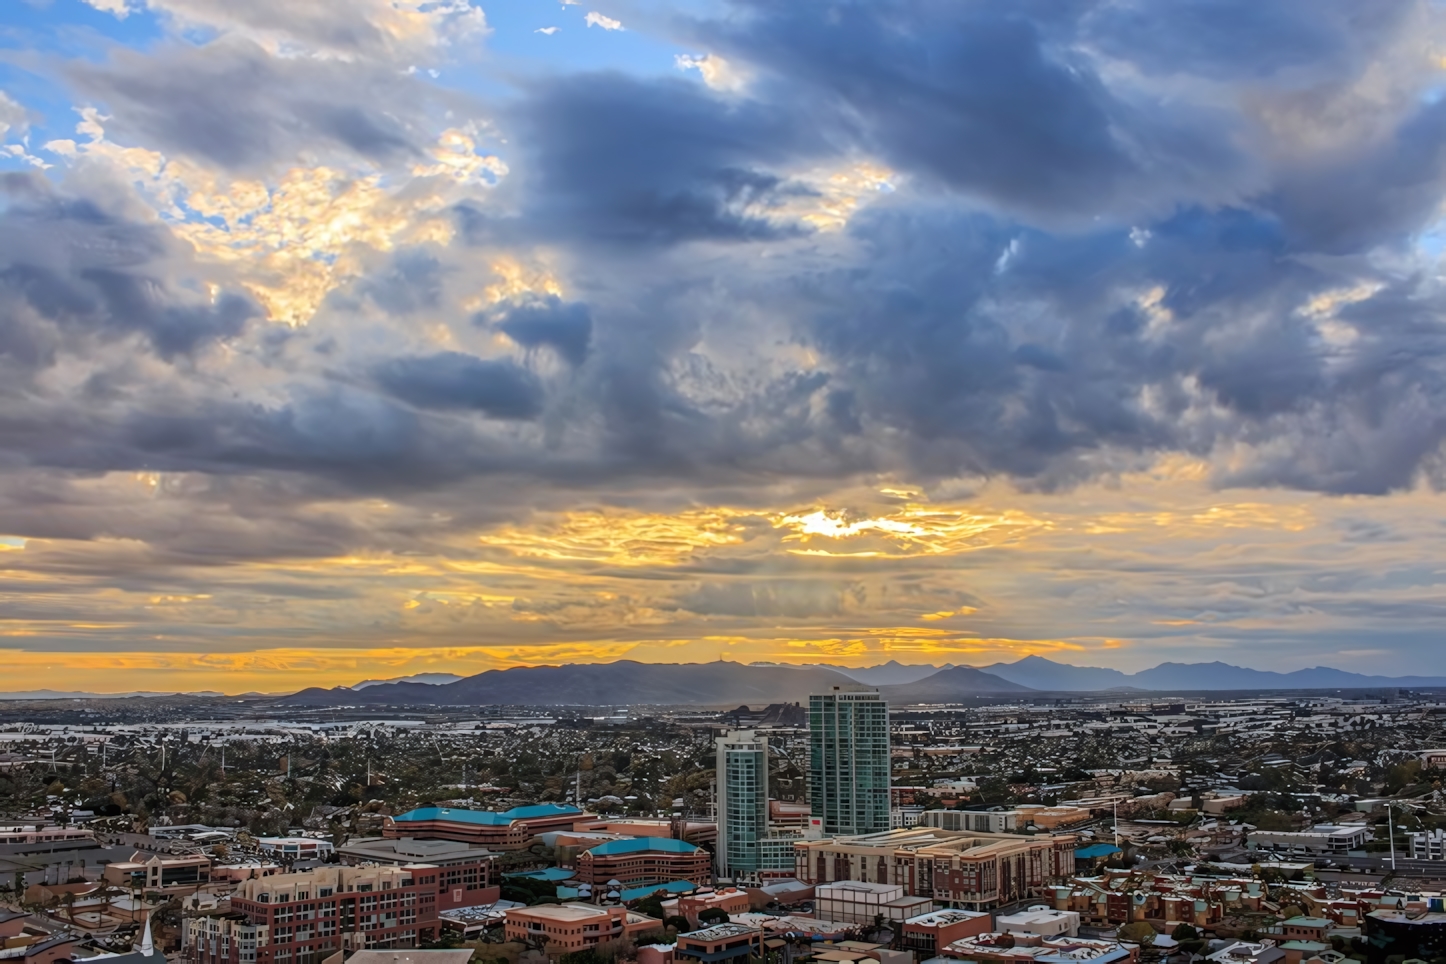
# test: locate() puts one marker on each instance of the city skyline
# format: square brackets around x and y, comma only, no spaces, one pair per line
[359,340]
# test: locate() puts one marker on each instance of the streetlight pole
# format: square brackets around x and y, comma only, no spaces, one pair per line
[1391,829]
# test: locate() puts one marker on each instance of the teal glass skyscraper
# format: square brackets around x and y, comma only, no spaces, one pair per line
[849,761]
[742,801]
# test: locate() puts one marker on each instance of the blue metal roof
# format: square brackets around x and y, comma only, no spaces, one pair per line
[546,873]
[640,844]
[672,887]
[487,818]
[1096,850]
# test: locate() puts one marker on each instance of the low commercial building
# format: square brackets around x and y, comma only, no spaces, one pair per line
[1248,952]
[1412,933]
[48,949]
[925,934]
[17,840]
[1052,818]
[433,956]
[972,871]
[1117,897]
[158,873]
[466,874]
[857,902]
[1044,921]
[1321,839]
[976,821]
[721,942]
[729,900]
[508,830]
[782,813]
[1305,929]
[1428,845]
[234,873]
[997,948]
[644,862]
[295,848]
[564,928]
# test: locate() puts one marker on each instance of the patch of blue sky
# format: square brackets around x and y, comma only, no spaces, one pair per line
[642,47]
[34,35]
[1432,241]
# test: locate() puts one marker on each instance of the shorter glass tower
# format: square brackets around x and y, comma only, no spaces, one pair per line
[742,801]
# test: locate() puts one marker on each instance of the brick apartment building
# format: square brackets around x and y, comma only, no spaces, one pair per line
[466,874]
[564,928]
[508,830]
[970,871]
[304,918]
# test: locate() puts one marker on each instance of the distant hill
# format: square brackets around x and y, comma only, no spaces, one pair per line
[1223,676]
[950,684]
[594,684]
[431,679]
[1039,673]
[886,674]
[76,695]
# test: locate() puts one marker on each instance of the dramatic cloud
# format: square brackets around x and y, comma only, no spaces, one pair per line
[836,329]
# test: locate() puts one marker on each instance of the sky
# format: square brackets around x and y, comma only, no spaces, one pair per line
[346,339]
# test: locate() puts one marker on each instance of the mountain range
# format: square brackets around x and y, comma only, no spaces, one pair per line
[591,684]
[78,695]
[1038,673]
[724,683]
[431,679]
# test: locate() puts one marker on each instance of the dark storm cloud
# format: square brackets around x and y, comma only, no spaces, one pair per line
[1241,39]
[452,380]
[235,104]
[982,99]
[547,322]
[619,159]
[69,269]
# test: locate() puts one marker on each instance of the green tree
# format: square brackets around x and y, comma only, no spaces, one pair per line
[1138,933]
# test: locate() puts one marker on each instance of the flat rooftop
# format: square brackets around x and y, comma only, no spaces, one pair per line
[561,912]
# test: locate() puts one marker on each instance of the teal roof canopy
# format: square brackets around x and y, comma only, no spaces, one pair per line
[486,818]
[639,844]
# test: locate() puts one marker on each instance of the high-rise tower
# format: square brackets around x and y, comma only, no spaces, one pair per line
[742,801]
[849,761]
